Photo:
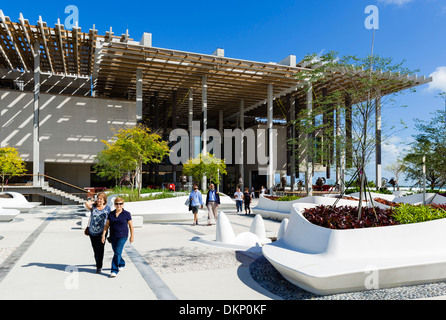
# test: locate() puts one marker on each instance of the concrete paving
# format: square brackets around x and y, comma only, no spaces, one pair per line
[44,254]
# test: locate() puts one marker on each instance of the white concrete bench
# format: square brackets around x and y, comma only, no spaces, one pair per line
[15,200]
[7,215]
[326,261]
[280,210]
[273,209]
[138,222]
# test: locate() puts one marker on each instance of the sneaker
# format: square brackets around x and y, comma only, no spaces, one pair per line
[121,268]
[113,275]
[98,270]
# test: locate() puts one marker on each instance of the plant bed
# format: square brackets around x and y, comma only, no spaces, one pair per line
[386,202]
[407,213]
[283,198]
[346,217]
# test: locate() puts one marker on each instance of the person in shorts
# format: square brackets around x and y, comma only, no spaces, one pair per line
[196,200]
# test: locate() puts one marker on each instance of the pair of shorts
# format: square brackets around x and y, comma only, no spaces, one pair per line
[194,209]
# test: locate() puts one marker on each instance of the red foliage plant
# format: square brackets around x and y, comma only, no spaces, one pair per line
[346,217]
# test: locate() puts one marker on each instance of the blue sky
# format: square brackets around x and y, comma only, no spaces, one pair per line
[266,31]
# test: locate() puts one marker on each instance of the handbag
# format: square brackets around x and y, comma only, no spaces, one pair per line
[87,231]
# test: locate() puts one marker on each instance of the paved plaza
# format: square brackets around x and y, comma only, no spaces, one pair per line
[44,254]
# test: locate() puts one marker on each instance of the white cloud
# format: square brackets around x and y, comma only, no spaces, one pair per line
[397,2]
[438,79]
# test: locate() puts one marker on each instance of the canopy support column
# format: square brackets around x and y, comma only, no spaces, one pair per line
[270,176]
[37,179]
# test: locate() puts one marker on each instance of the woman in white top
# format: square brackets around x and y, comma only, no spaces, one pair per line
[238,199]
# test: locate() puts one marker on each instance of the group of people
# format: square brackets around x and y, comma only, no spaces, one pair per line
[212,203]
[102,220]
[195,202]
[119,221]
[245,197]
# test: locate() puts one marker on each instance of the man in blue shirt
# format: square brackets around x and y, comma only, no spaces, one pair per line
[195,201]
[212,203]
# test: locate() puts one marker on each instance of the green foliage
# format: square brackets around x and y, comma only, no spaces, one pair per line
[288,198]
[408,213]
[130,149]
[205,166]
[431,143]
[11,164]
[131,195]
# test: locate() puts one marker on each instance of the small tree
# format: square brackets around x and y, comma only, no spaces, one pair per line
[205,166]
[131,148]
[357,96]
[111,164]
[11,164]
[431,143]
[397,169]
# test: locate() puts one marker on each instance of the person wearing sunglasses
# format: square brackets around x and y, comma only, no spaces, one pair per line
[120,222]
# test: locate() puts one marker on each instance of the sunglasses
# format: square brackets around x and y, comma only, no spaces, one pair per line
[119,204]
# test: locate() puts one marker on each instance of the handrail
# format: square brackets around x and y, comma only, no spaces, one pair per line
[62,184]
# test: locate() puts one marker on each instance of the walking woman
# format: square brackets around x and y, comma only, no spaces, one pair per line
[119,221]
[99,212]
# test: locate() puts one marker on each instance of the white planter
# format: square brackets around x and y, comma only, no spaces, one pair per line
[326,261]
[281,209]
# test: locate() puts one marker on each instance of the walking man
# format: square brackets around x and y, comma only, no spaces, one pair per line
[212,203]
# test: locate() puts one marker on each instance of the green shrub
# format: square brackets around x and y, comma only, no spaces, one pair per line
[408,213]
[288,198]
[130,195]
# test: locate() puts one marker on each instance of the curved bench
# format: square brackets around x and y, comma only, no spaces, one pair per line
[16,201]
[7,215]
[326,261]
[273,209]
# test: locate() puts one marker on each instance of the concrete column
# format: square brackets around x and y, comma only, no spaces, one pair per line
[310,141]
[36,124]
[293,146]
[174,126]
[221,130]
[340,155]
[242,145]
[378,142]
[190,123]
[220,123]
[139,99]
[348,132]
[270,176]
[205,121]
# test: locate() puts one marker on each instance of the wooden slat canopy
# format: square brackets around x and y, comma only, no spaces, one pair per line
[111,63]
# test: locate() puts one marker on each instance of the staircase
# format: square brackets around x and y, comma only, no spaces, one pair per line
[61,196]
[53,189]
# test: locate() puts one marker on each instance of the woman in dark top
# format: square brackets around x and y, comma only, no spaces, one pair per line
[247,199]
[119,221]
